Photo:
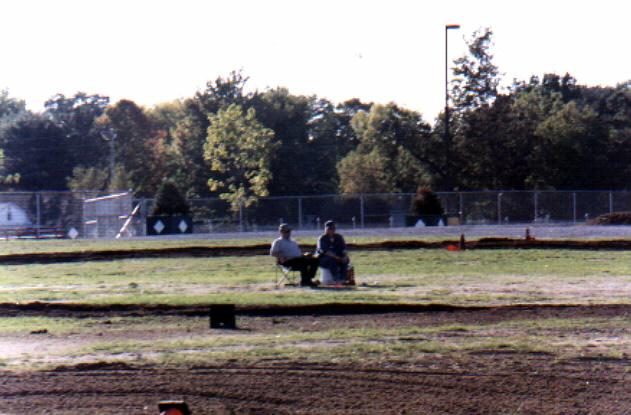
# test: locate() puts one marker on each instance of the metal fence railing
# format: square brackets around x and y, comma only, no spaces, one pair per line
[67,210]
[395,210]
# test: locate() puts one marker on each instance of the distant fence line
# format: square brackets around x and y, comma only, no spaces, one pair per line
[68,210]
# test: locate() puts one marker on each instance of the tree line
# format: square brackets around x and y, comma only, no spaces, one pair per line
[546,132]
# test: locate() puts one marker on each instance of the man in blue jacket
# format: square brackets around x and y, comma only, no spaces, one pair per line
[332,251]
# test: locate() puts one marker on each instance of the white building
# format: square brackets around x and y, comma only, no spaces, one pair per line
[13,215]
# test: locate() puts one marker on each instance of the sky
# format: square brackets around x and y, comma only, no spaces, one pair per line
[153,51]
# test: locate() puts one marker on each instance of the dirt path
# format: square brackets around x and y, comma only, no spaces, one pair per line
[472,382]
[487,384]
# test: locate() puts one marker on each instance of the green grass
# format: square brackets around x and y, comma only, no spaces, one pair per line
[63,245]
[420,276]
[193,344]
[479,277]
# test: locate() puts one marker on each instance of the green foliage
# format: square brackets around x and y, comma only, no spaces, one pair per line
[10,106]
[476,78]
[36,148]
[88,178]
[121,180]
[387,158]
[140,152]
[239,150]
[191,130]
[169,201]
[77,116]
[547,132]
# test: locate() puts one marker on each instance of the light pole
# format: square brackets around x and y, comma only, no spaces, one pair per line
[109,134]
[447,137]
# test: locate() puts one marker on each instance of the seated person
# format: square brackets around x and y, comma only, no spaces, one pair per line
[332,252]
[288,254]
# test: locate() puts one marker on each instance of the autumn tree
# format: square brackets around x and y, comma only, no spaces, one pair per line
[238,151]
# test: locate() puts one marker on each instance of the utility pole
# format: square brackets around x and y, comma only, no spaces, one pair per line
[447,136]
[109,134]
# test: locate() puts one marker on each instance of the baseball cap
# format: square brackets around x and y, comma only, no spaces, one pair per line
[329,224]
[284,227]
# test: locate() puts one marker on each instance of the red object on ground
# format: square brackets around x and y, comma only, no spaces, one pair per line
[452,248]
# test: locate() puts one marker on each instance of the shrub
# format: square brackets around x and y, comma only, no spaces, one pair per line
[427,203]
[615,218]
[170,201]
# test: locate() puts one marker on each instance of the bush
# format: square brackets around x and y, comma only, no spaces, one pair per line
[170,201]
[615,218]
[426,203]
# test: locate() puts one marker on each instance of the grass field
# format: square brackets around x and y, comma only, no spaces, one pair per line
[542,335]
[480,277]
[66,245]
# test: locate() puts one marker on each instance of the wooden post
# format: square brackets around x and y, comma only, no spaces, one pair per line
[222,316]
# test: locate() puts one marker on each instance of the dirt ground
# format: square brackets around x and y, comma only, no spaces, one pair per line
[476,382]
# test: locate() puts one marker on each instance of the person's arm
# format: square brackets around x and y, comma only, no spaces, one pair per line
[324,246]
[328,249]
[275,252]
[345,257]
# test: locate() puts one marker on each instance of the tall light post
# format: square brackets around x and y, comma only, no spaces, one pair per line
[109,134]
[447,137]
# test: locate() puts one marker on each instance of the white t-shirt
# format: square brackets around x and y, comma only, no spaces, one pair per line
[285,248]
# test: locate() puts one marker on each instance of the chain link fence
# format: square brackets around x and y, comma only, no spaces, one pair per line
[40,212]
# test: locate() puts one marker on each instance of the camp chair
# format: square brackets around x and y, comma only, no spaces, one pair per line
[285,275]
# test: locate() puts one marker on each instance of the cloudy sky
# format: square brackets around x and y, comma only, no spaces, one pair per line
[153,50]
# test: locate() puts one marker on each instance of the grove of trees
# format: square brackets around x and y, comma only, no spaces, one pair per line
[546,132]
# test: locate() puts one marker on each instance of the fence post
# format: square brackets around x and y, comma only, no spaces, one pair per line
[461,208]
[361,210]
[610,202]
[574,206]
[499,208]
[299,213]
[536,201]
[240,217]
[37,209]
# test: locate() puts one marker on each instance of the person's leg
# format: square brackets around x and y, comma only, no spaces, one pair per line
[312,264]
[343,269]
[299,264]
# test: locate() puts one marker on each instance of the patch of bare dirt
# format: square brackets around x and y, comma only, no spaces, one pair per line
[477,382]
[482,384]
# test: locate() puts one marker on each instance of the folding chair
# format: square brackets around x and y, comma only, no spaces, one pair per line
[286,275]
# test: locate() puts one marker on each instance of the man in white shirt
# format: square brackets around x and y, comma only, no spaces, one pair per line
[288,254]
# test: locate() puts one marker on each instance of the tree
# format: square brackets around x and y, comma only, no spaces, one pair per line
[476,78]
[121,182]
[190,132]
[388,156]
[138,150]
[77,116]
[35,148]
[10,106]
[567,139]
[363,173]
[288,116]
[88,178]
[239,150]
[170,201]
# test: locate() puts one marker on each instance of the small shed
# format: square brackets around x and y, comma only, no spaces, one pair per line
[13,215]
